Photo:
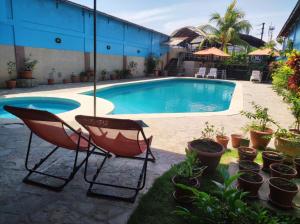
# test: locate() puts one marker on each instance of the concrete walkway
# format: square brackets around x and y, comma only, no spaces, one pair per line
[21,203]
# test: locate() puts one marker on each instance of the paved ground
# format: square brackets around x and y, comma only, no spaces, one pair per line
[20,203]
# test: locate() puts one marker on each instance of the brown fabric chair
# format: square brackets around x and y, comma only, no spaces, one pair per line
[121,138]
[52,129]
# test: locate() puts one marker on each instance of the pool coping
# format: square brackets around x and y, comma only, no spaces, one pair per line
[86,102]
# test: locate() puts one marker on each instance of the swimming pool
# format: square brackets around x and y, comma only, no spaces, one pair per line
[51,104]
[178,95]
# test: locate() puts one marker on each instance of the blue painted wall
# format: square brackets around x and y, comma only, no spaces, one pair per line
[294,35]
[37,23]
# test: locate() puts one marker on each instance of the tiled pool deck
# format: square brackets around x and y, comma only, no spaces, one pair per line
[21,203]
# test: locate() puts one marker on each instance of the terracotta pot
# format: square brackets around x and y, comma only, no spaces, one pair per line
[65,81]
[181,193]
[287,147]
[246,165]
[236,140]
[223,140]
[11,84]
[50,81]
[247,153]
[282,192]
[75,79]
[260,139]
[209,153]
[283,171]
[270,157]
[250,181]
[26,75]
[297,166]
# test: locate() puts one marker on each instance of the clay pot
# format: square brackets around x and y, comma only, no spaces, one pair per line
[287,147]
[236,140]
[65,81]
[260,139]
[181,194]
[247,153]
[26,75]
[223,140]
[282,192]
[270,157]
[250,181]
[283,171]
[246,165]
[50,81]
[11,84]
[75,79]
[297,166]
[209,153]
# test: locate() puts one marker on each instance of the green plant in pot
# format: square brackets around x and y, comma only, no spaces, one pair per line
[287,142]
[11,68]
[295,108]
[259,127]
[83,77]
[208,150]
[187,173]
[132,66]
[29,66]
[103,74]
[221,137]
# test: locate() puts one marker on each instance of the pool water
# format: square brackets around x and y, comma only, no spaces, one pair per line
[53,105]
[177,95]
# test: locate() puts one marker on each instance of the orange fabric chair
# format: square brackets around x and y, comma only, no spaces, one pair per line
[122,138]
[52,129]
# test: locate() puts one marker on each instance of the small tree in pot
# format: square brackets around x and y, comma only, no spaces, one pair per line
[11,68]
[29,66]
[208,150]
[132,66]
[260,131]
[287,142]
[103,74]
[222,138]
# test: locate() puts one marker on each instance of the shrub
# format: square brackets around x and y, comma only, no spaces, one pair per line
[281,76]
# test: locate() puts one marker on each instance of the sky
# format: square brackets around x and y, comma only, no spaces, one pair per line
[168,15]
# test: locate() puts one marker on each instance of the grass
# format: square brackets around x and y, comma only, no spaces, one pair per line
[231,155]
[157,205]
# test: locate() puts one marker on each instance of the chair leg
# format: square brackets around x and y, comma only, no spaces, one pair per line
[131,199]
[65,180]
[152,159]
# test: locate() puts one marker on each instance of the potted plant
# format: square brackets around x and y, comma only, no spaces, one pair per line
[11,67]
[250,182]
[75,78]
[222,138]
[245,165]
[287,142]
[295,108]
[282,192]
[90,75]
[157,69]
[65,81]
[260,131]
[236,140]
[103,74]
[29,66]
[270,157]
[247,153]
[282,170]
[209,151]
[150,64]
[187,173]
[297,166]
[83,77]
[51,76]
[245,142]
[132,66]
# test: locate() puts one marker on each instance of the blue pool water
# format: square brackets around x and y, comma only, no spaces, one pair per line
[53,105]
[169,96]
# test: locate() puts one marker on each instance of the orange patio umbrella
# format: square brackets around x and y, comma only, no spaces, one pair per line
[264,52]
[212,51]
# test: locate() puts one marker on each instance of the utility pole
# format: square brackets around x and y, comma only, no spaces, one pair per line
[262,31]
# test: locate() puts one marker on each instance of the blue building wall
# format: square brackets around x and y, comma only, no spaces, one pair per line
[294,35]
[37,23]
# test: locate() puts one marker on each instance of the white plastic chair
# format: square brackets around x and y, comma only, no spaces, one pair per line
[212,73]
[201,73]
[256,76]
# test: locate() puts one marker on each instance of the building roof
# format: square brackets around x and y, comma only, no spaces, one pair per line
[251,40]
[111,16]
[212,51]
[290,21]
[264,52]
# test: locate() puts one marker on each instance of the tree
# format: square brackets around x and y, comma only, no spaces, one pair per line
[227,28]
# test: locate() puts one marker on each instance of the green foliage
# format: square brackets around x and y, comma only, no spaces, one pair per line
[260,118]
[208,132]
[280,77]
[29,64]
[237,59]
[11,67]
[221,132]
[150,63]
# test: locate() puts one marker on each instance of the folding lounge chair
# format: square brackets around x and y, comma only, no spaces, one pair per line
[201,73]
[256,76]
[121,138]
[212,73]
[52,129]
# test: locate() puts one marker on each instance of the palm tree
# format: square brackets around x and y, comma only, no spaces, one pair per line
[227,27]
